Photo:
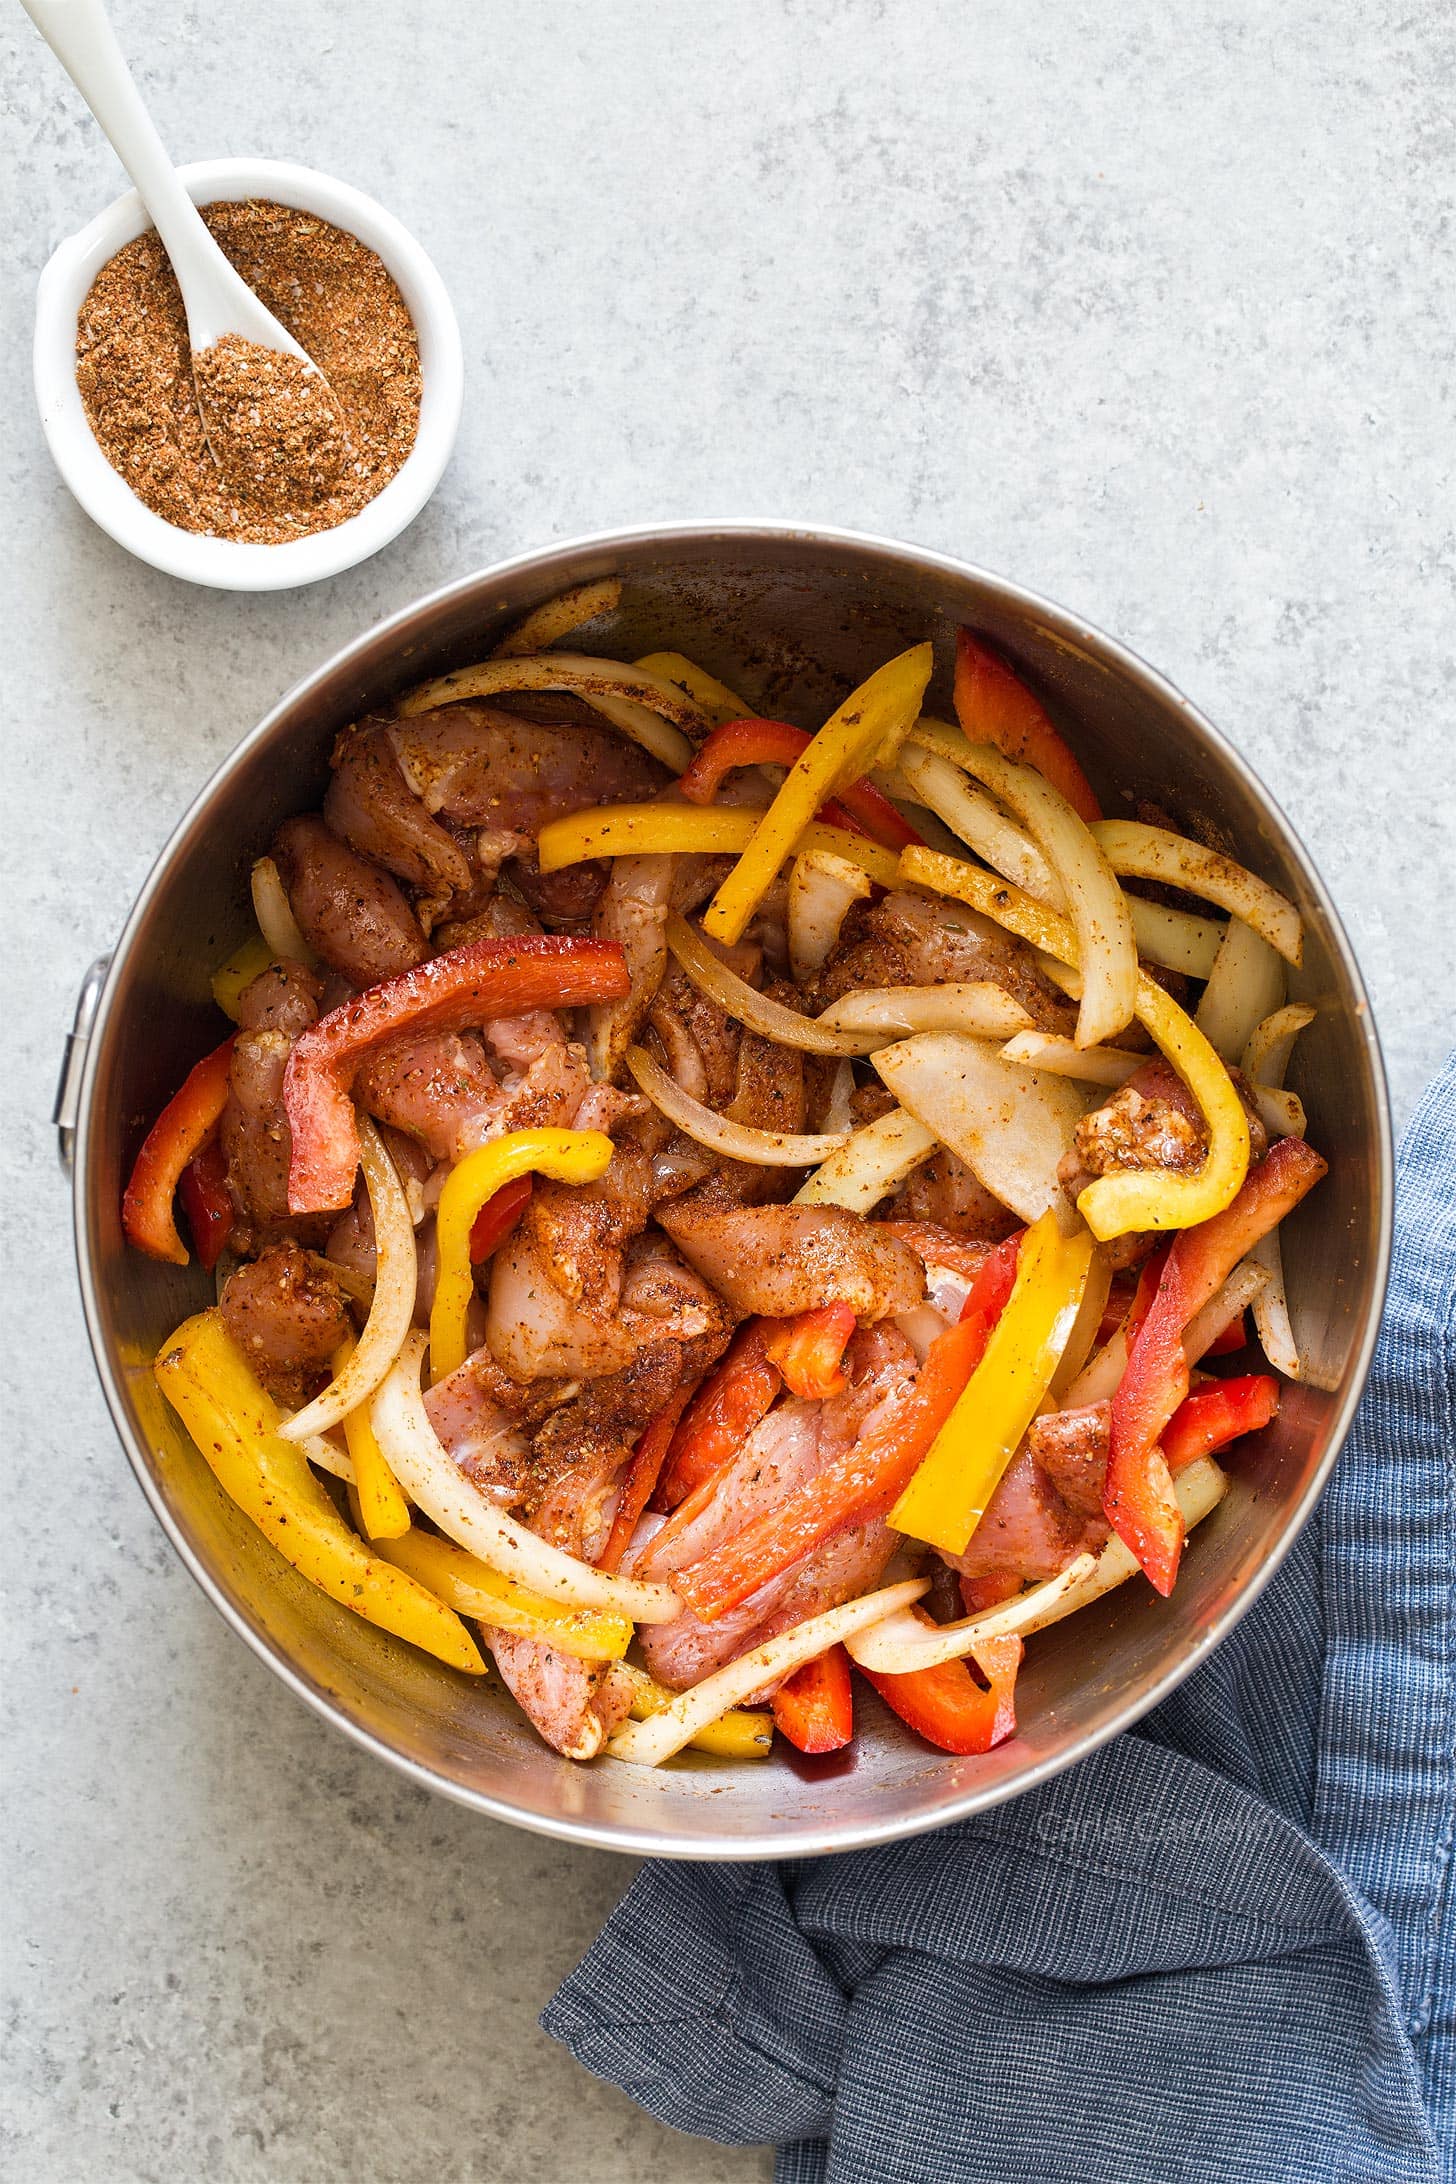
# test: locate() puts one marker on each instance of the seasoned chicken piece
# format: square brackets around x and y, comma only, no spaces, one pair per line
[1071,1447]
[1028,1527]
[575,1705]
[631,910]
[570,1291]
[782,1260]
[351,913]
[371,806]
[1152,1121]
[486,1420]
[286,1312]
[685,1650]
[789,1447]
[480,766]
[284,998]
[280,1003]
[910,940]
[440,1088]
[937,1246]
[945,1192]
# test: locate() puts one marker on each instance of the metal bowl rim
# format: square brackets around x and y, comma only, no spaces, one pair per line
[828,1840]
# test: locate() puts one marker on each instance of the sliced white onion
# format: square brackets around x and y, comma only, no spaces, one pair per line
[734,1140]
[736,998]
[839,1107]
[1010,1125]
[1271,1311]
[436,1484]
[1246,982]
[978,819]
[648,1743]
[1266,1057]
[395,1278]
[1156,853]
[1173,939]
[276,922]
[879,1015]
[903,1642]
[557,618]
[1096,905]
[1240,1290]
[635,699]
[1085,1328]
[1282,1113]
[870,1164]
[657,737]
[821,889]
[1064,1058]
[327,1454]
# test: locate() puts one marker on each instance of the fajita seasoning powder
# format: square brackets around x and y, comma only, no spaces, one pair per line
[288,455]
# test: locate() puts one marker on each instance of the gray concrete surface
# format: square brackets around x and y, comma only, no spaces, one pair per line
[1147,307]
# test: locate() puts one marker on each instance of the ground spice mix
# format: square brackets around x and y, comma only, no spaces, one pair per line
[285,459]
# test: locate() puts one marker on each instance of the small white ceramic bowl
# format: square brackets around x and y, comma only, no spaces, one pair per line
[103,493]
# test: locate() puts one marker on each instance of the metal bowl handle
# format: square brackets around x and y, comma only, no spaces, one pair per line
[73,1061]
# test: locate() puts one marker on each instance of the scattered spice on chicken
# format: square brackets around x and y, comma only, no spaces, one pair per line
[286,453]
[685,1395]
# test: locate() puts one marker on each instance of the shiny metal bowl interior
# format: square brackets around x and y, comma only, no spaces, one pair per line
[791,618]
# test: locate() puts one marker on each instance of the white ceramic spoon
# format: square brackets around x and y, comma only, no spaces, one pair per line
[218,300]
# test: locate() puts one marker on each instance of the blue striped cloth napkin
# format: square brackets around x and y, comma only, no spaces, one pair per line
[1220,1951]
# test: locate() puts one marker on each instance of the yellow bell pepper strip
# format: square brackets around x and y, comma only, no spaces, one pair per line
[571,1156]
[947,1497]
[1151,1198]
[636,830]
[742,1733]
[867,729]
[464,1583]
[715,698]
[232,980]
[234,1422]
[383,1510]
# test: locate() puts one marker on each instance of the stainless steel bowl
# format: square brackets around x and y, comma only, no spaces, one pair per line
[792,618]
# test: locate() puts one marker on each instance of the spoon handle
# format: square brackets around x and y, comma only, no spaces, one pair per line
[80,35]
[217,300]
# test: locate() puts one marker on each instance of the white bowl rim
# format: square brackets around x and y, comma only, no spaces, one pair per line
[106,497]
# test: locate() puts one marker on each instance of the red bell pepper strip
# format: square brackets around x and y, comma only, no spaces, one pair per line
[807,1350]
[864,1482]
[207,1203]
[641,1477]
[994,706]
[497,1217]
[1220,1412]
[946,1705]
[453,992]
[860,806]
[990,1589]
[991,1288]
[814,1708]
[182,1129]
[1234,1337]
[1138,1499]
[721,1416]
